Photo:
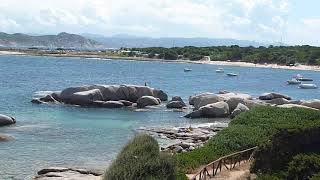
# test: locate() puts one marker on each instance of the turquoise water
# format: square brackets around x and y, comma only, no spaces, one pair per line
[53,135]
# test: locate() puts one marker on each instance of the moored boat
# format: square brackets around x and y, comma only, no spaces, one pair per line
[293,82]
[232,74]
[308,86]
[220,70]
[304,79]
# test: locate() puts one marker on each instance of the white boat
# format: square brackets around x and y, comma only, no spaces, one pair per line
[304,79]
[293,82]
[298,76]
[187,70]
[308,86]
[232,74]
[220,70]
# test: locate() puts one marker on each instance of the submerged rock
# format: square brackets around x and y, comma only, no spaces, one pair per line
[36,101]
[5,138]
[6,120]
[61,173]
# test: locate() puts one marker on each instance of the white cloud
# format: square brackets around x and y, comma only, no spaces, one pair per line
[244,19]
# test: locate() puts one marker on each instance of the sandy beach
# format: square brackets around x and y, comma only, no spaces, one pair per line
[222,63]
[11,53]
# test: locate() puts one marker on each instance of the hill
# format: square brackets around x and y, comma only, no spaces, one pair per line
[128,41]
[62,40]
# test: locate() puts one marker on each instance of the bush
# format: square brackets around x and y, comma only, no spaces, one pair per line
[141,159]
[303,166]
[316,177]
[253,128]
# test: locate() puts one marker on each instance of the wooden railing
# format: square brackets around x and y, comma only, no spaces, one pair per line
[228,162]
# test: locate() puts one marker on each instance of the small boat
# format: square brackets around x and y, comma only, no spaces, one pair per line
[187,70]
[298,76]
[308,86]
[304,79]
[232,74]
[220,70]
[293,82]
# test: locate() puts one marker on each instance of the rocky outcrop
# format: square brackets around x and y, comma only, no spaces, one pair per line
[204,99]
[197,98]
[182,139]
[238,110]
[271,96]
[61,173]
[214,110]
[295,106]
[229,95]
[90,95]
[176,103]
[148,101]
[278,101]
[6,120]
[108,104]
[312,104]
[233,102]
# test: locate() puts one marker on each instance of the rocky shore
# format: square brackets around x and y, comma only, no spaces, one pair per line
[106,96]
[62,173]
[182,139]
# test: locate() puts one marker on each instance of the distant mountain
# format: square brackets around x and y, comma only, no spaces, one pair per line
[129,41]
[62,40]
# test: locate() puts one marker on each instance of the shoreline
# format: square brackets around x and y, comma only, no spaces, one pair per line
[218,63]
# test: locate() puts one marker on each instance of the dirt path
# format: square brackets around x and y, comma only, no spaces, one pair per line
[239,173]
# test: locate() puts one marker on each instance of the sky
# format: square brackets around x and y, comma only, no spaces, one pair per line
[294,22]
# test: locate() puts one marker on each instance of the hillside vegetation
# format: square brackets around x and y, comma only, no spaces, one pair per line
[287,55]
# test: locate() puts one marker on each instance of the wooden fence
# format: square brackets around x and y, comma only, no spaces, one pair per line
[228,162]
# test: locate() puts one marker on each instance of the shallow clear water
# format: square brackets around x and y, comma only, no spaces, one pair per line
[53,135]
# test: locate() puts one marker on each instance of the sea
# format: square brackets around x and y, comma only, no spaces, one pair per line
[69,136]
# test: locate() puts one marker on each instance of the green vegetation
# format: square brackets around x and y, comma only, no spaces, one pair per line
[285,55]
[141,159]
[287,140]
[303,166]
[255,127]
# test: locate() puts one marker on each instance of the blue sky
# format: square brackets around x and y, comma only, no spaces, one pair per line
[292,21]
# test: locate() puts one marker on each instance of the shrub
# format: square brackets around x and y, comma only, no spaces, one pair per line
[303,166]
[315,177]
[253,128]
[141,159]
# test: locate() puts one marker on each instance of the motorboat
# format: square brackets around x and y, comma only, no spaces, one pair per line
[220,70]
[304,79]
[293,82]
[308,86]
[187,70]
[232,74]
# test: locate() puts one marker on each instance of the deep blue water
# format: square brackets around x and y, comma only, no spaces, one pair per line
[53,135]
